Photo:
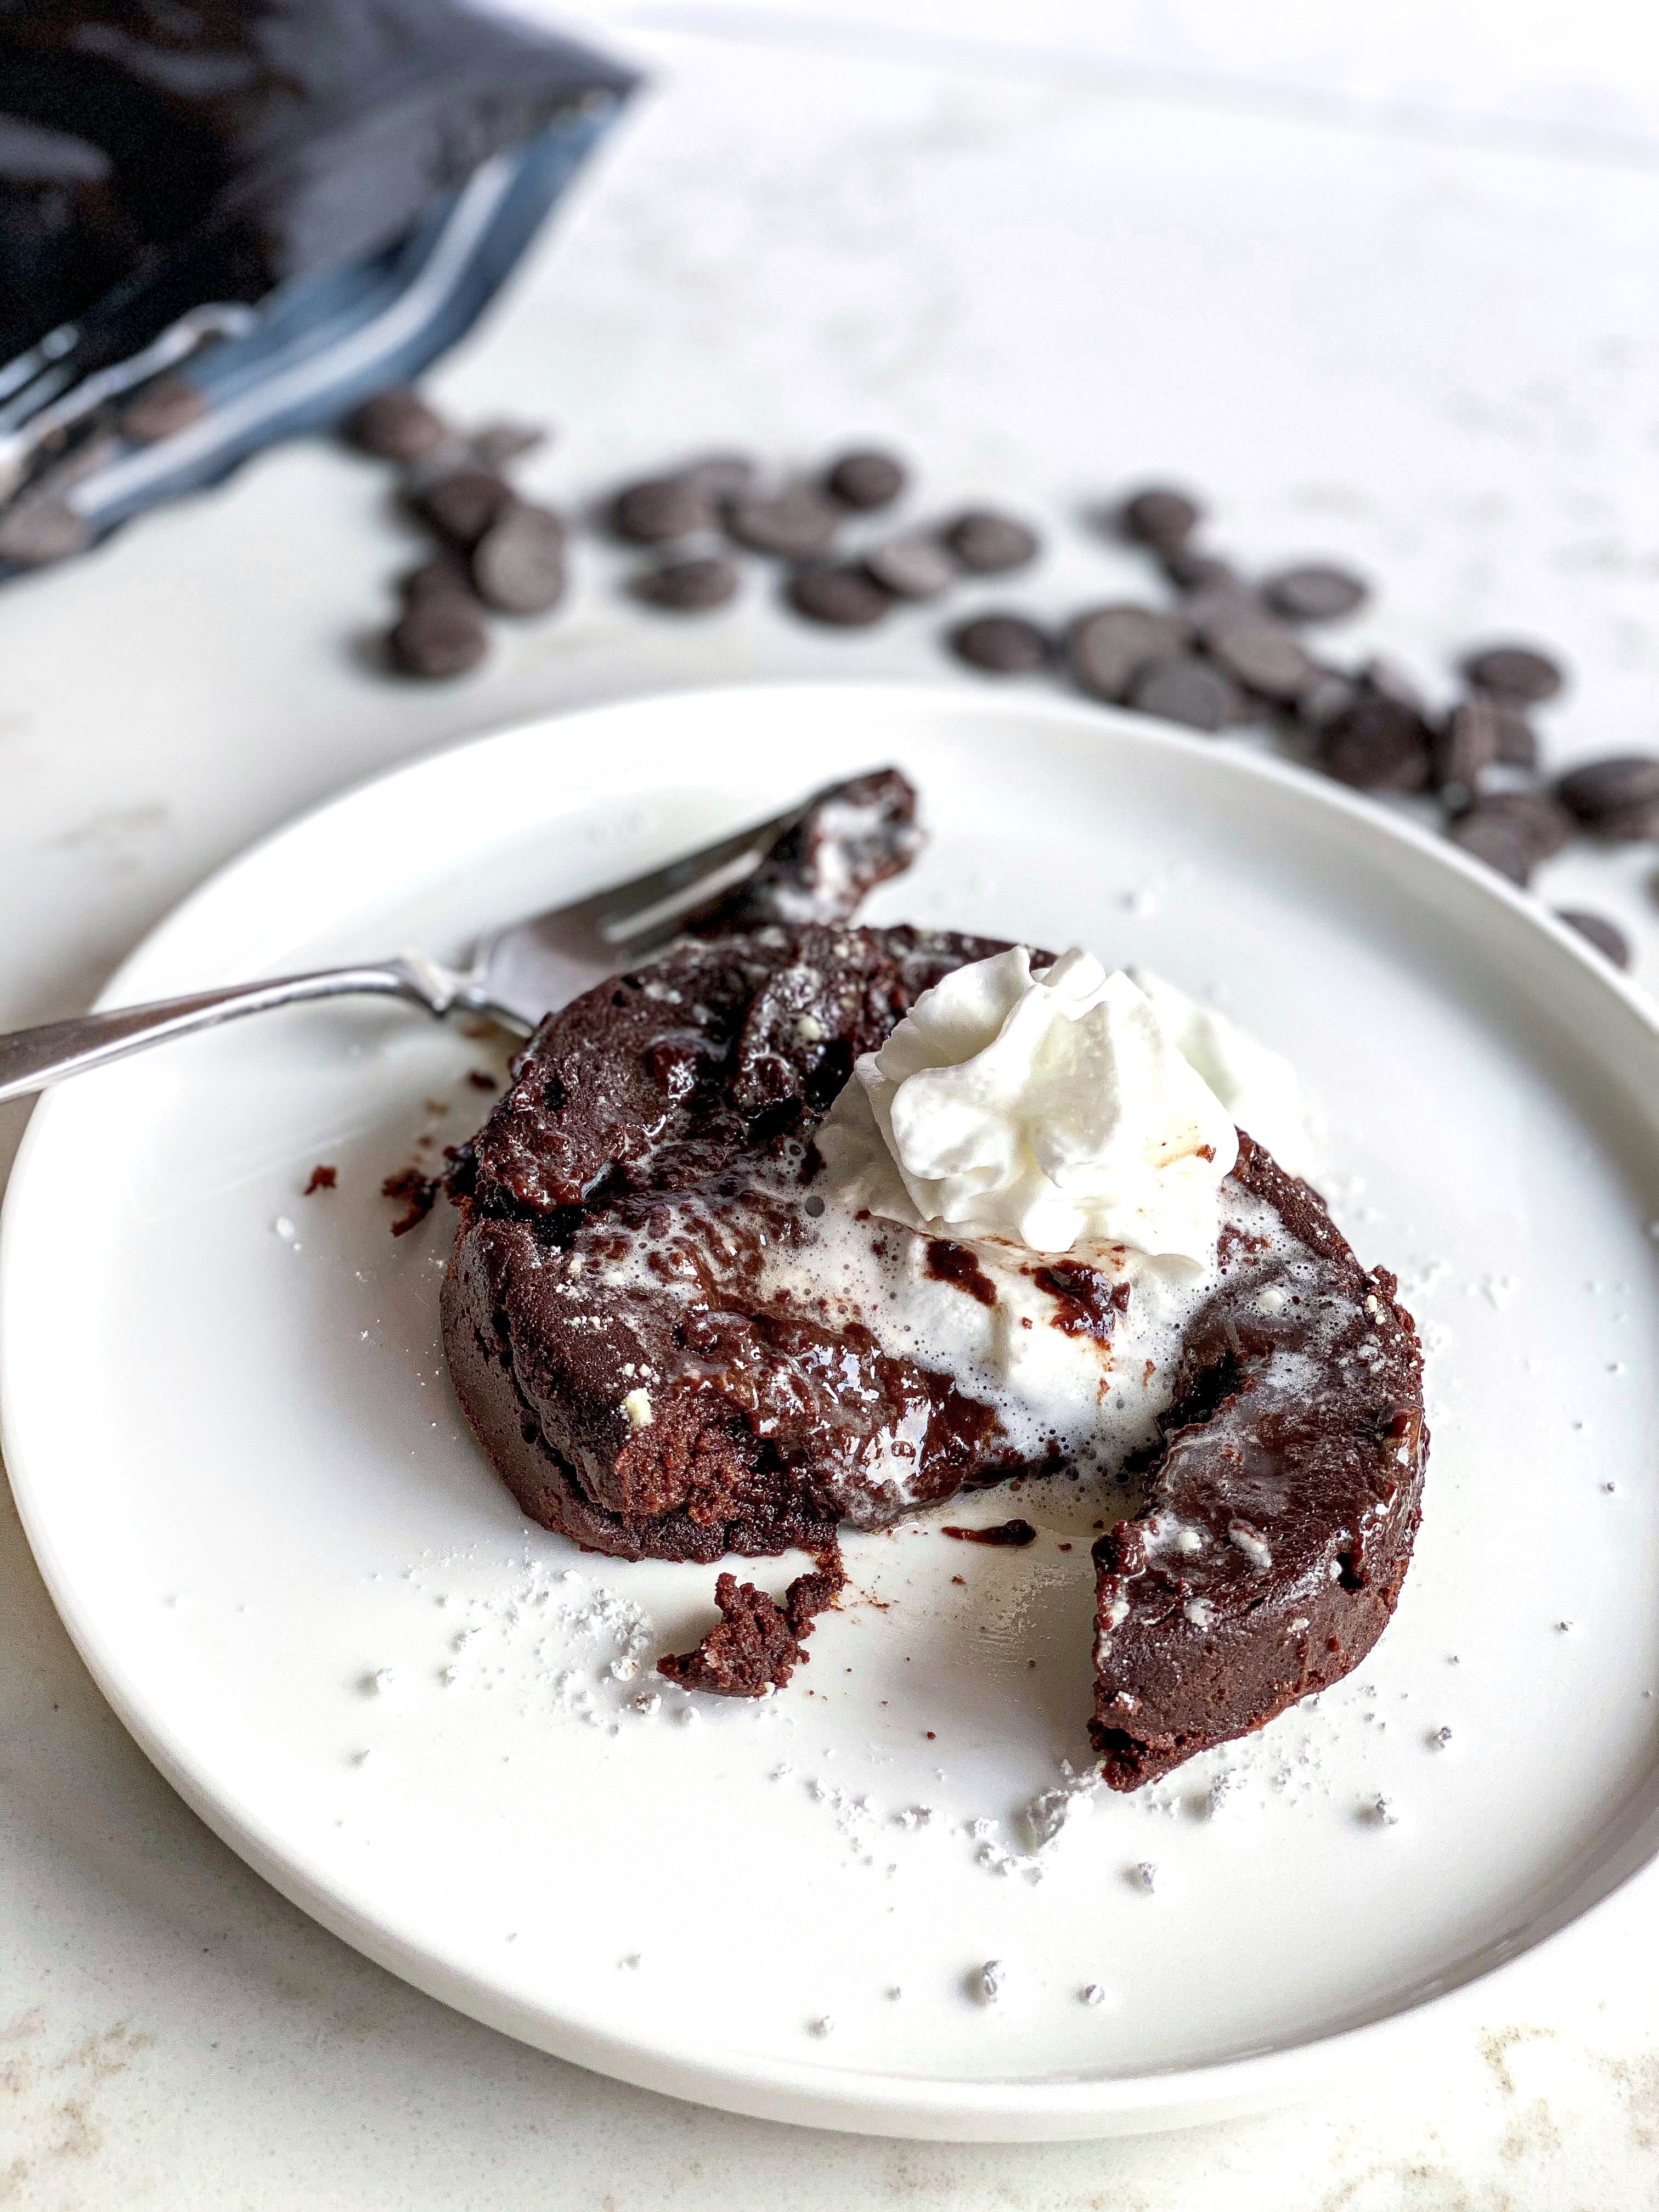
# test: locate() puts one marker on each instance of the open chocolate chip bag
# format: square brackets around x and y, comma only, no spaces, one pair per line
[224,223]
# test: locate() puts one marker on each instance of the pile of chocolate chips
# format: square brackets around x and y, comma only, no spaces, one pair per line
[496,553]
[1223,652]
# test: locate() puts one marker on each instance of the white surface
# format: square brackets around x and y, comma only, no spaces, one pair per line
[300,1583]
[1435,358]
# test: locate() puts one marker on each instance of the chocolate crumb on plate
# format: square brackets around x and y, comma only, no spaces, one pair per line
[866,479]
[482,1079]
[844,596]
[1001,645]
[756,1644]
[987,543]
[1011,1534]
[396,425]
[1606,936]
[691,587]
[1518,673]
[1315,592]
[322,1178]
[414,1190]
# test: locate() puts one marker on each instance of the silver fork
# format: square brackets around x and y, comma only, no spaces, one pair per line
[514,976]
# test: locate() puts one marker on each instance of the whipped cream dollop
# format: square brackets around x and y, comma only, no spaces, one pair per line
[1048,1108]
[1259,1087]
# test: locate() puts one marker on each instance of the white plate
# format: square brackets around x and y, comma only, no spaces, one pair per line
[251,1493]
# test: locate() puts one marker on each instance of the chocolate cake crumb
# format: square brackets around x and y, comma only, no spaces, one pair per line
[1001,1532]
[322,1178]
[481,1079]
[755,1645]
[418,1191]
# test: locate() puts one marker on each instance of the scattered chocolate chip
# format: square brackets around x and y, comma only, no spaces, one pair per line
[987,543]
[396,425]
[1617,798]
[845,597]
[1016,1533]
[865,480]
[1497,841]
[1518,673]
[1327,694]
[1545,827]
[39,528]
[1389,680]
[1606,936]
[498,443]
[1001,645]
[689,587]
[721,474]
[1465,745]
[1160,517]
[441,577]
[1185,688]
[1223,600]
[913,567]
[1189,571]
[462,504]
[1108,646]
[1264,658]
[1315,592]
[518,565]
[661,508]
[796,524]
[322,1178]
[438,637]
[1375,745]
[1517,741]
[170,404]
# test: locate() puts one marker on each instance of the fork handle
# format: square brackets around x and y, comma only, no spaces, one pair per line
[32,1058]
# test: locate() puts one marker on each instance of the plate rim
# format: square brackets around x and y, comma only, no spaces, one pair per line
[848,2100]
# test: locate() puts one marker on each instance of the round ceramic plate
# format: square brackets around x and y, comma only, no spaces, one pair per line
[437,1728]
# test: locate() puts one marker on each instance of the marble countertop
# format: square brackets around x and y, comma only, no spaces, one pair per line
[1433,354]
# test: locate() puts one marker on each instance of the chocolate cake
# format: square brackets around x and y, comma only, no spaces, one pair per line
[674,1344]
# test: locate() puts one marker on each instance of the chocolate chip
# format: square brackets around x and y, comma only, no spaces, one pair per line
[1496,840]
[462,504]
[1185,690]
[1518,673]
[498,443]
[1375,745]
[440,577]
[1315,592]
[690,587]
[396,425]
[518,565]
[1389,680]
[1327,694]
[39,529]
[1617,798]
[915,567]
[661,508]
[1222,599]
[1189,571]
[795,523]
[1160,517]
[437,638]
[722,475]
[1264,658]
[1465,745]
[1606,936]
[987,543]
[847,598]
[1108,646]
[170,404]
[1001,645]
[865,480]
[1517,741]
[1545,827]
